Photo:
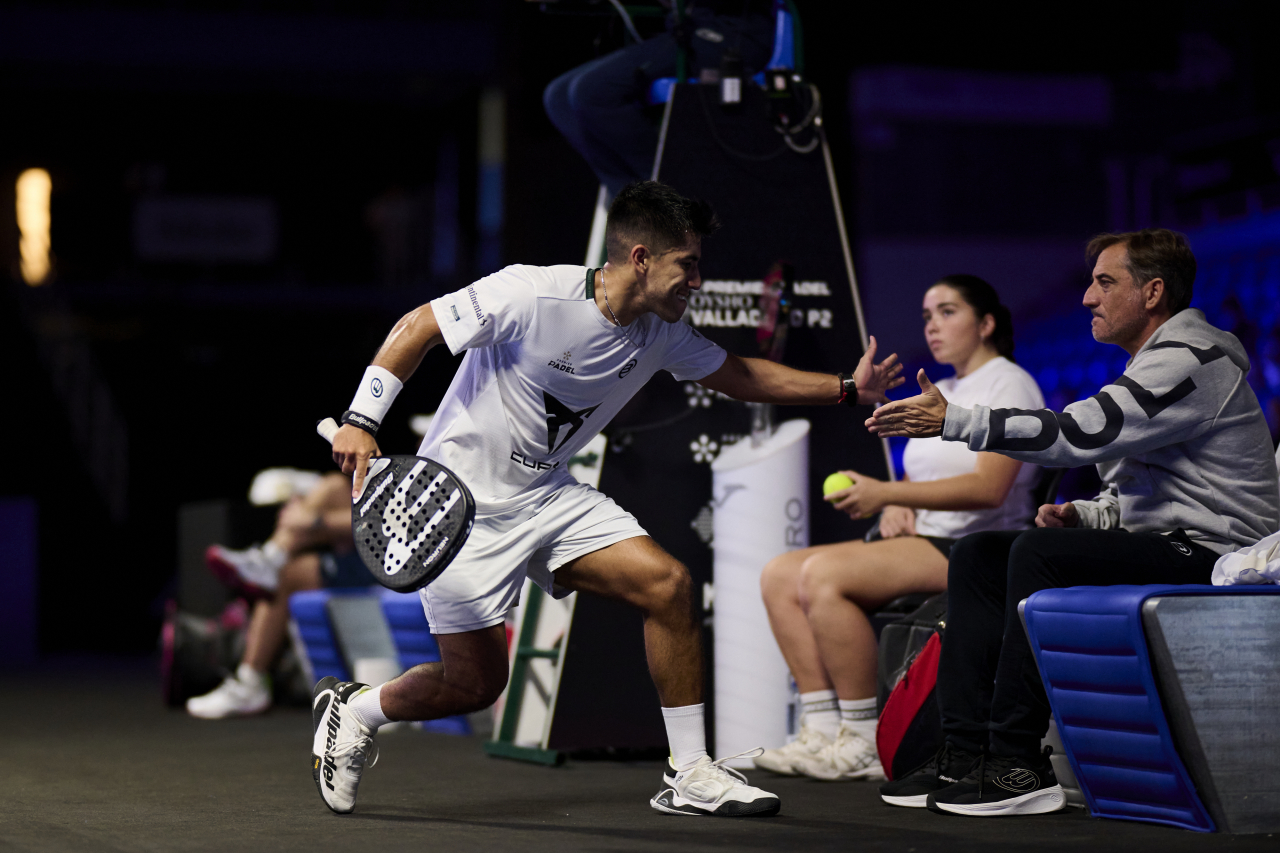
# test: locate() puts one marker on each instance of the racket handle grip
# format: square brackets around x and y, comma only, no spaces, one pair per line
[327,429]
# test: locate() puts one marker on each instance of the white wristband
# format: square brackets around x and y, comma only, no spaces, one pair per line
[377,389]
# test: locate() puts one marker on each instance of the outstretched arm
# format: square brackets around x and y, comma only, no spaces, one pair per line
[401,353]
[758,380]
[985,488]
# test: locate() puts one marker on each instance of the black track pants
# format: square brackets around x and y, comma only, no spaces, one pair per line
[989,690]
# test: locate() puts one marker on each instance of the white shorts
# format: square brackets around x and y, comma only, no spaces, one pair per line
[483,582]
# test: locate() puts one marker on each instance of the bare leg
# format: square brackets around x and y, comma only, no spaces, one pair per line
[469,677]
[780,587]
[640,573]
[320,518]
[269,622]
[840,582]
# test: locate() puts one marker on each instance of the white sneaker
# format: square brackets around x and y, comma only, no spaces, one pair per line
[253,572]
[710,788]
[341,745]
[849,756]
[231,698]
[808,743]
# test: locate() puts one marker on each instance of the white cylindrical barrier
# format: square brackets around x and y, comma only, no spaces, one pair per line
[760,499]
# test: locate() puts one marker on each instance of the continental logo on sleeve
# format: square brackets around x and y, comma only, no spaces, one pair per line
[475,305]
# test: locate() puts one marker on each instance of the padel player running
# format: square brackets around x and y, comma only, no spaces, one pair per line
[552,354]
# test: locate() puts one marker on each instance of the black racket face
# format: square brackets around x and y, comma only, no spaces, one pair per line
[411,521]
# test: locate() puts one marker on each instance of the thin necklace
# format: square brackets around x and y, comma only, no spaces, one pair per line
[610,307]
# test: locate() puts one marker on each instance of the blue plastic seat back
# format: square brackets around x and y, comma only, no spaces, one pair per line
[412,635]
[310,611]
[1093,657]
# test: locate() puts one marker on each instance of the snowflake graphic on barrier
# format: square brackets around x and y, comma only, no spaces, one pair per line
[698,396]
[704,449]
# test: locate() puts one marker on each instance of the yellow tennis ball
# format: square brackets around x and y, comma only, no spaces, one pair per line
[835,483]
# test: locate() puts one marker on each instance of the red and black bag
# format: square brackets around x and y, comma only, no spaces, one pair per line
[910,729]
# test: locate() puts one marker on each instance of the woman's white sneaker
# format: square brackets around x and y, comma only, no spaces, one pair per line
[232,698]
[849,756]
[253,572]
[807,745]
[710,788]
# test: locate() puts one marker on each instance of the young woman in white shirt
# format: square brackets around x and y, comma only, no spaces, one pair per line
[818,598]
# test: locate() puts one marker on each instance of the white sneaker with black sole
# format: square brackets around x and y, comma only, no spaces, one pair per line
[808,743]
[710,788]
[850,756]
[341,748]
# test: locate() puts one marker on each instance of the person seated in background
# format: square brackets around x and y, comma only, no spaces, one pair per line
[1185,458]
[310,548]
[817,598]
[600,107]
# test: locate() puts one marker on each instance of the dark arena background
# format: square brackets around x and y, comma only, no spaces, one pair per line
[215,210]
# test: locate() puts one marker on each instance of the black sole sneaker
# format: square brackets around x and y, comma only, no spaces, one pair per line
[948,766]
[341,747]
[999,786]
[710,788]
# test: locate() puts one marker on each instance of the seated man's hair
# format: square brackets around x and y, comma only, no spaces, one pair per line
[654,215]
[1155,253]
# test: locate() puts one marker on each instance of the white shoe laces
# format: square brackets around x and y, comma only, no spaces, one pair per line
[728,775]
[360,749]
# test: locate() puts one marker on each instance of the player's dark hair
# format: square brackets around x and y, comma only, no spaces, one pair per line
[984,300]
[655,215]
[1155,253]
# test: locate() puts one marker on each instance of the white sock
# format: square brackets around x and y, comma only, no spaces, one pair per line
[819,711]
[246,674]
[367,706]
[274,554]
[860,715]
[687,734]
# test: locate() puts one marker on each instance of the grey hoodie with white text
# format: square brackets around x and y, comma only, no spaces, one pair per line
[1179,440]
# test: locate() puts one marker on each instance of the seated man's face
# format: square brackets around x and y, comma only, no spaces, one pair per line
[1113,298]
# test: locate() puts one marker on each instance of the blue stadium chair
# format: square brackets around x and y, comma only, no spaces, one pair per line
[310,613]
[1168,744]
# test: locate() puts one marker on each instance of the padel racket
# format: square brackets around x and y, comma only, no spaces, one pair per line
[411,520]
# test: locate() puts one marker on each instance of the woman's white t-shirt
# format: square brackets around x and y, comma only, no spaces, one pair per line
[999,384]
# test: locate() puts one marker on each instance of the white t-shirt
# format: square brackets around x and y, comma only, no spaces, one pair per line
[544,373]
[1000,384]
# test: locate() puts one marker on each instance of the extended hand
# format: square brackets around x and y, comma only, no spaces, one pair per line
[897,521]
[352,450]
[915,417]
[874,379]
[860,500]
[1058,515]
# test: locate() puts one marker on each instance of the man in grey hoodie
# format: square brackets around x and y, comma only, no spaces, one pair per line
[1188,474]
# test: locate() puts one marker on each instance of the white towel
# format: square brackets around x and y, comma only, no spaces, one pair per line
[1259,563]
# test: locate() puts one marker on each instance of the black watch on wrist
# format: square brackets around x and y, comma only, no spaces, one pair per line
[848,390]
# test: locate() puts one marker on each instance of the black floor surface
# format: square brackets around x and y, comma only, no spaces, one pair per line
[93,762]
